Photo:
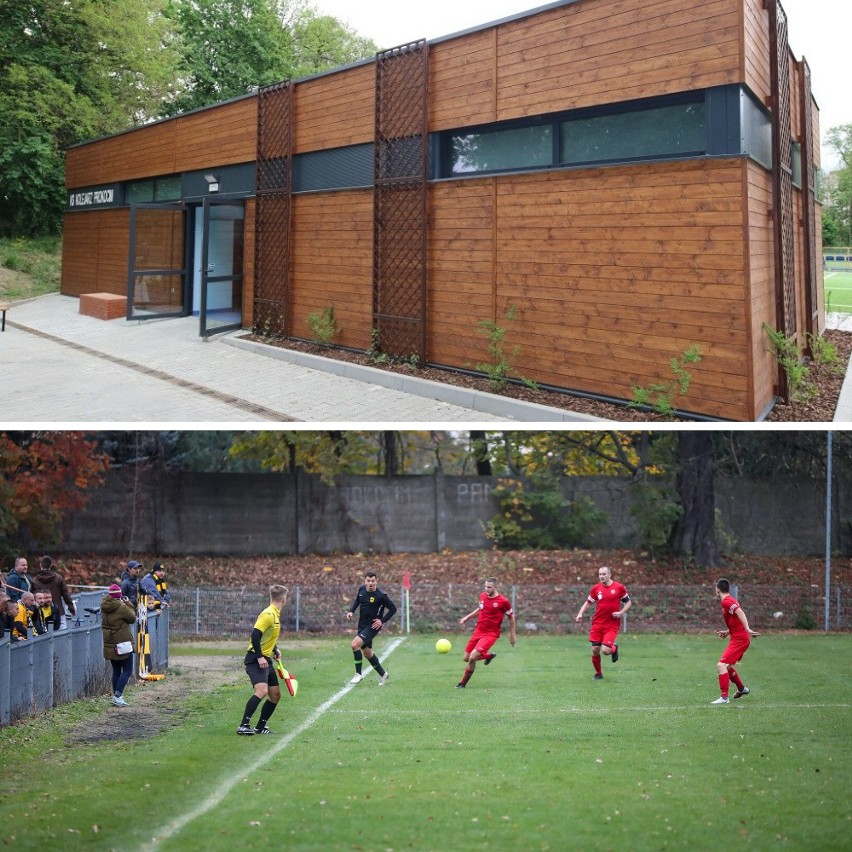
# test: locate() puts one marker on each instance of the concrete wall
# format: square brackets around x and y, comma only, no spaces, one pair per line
[242,514]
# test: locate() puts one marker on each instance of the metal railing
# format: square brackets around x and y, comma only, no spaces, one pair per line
[49,670]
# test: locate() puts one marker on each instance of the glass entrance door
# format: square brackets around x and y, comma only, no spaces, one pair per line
[220,297]
[157,276]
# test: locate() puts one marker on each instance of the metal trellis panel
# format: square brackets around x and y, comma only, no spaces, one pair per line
[809,199]
[782,176]
[399,200]
[273,214]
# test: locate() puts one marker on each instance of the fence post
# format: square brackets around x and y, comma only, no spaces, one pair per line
[837,592]
[298,603]
[197,610]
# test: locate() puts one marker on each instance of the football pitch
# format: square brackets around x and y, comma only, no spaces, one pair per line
[533,754]
[838,291]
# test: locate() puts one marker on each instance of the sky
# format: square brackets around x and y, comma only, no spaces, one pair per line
[814,32]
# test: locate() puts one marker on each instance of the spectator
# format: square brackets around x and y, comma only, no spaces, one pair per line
[49,580]
[45,604]
[16,620]
[130,583]
[117,614]
[155,587]
[18,580]
[34,612]
[4,621]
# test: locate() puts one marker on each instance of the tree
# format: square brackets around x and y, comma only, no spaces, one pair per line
[695,534]
[231,47]
[70,71]
[838,189]
[42,476]
[320,42]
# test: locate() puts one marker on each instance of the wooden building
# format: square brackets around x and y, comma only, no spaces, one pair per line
[629,179]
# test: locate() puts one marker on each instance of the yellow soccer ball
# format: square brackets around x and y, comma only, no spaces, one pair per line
[443,646]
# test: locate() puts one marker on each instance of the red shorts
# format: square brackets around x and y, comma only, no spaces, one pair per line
[735,651]
[481,641]
[604,634]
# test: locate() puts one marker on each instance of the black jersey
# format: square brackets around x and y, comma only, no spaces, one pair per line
[373,605]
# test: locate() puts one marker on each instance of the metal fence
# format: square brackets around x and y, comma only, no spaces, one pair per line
[206,612]
[49,670]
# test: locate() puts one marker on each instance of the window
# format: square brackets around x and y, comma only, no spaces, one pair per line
[796,161]
[156,189]
[636,134]
[140,191]
[501,150]
[167,189]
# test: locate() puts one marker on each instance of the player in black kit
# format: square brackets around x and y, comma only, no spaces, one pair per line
[376,610]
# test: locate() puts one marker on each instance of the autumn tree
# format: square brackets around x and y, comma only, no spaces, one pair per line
[332,453]
[43,475]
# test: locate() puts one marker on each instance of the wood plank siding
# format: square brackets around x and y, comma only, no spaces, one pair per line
[98,261]
[335,110]
[637,264]
[218,136]
[614,270]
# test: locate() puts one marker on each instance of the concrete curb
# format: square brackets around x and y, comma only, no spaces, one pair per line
[487,403]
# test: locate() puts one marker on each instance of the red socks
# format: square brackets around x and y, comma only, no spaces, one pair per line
[596,662]
[735,678]
[466,676]
[724,684]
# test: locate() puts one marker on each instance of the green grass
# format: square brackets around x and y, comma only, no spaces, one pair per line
[30,266]
[534,754]
[838,291]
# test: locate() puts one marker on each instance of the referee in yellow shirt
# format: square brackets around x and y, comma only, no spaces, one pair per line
[259,663]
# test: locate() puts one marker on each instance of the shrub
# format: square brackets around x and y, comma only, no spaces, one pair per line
[662,397]
[323,326]
[540,517]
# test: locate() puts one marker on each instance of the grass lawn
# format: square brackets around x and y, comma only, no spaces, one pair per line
[29,267]
[838,291]
[534,754]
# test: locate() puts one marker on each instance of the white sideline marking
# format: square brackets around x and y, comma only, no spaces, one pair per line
[225,787]
[454,711]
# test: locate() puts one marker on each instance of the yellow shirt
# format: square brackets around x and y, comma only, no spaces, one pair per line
[269,624]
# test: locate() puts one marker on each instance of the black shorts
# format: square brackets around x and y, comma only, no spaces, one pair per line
[258,675]
[367,634]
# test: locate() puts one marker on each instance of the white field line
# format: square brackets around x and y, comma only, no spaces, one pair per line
[453,711]
[225,787]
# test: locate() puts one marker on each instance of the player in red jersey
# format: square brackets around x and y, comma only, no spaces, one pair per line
[491,610]
[611,602]
[740,638]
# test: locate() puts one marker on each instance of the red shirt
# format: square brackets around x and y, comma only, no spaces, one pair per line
[491,612]
[608,599]
[730,605]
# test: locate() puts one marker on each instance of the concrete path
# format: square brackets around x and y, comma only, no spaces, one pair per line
[57,366]
[843,412]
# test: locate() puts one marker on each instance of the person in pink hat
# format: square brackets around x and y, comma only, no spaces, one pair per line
[117,614]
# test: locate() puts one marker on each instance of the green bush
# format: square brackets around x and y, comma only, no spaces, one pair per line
[662,397]
[539,517]
[804,620]
[323,326]
[656,510]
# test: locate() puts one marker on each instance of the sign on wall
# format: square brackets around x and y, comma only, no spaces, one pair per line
[94,197]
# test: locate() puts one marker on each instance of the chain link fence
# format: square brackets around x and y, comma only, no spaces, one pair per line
[320,609]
